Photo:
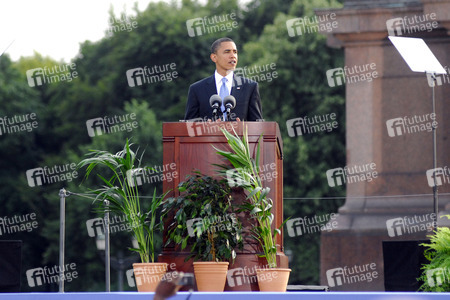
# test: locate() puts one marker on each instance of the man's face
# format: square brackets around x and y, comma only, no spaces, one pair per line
[226,58]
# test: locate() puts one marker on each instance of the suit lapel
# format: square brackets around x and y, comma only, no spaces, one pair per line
[211,86]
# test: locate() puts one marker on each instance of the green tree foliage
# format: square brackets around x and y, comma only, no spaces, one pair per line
[101,90]
[300,90]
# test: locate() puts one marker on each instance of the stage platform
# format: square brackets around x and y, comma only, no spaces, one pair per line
[229,296]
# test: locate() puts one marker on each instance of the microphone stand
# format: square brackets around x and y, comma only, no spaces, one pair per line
[228,113]
[215,113]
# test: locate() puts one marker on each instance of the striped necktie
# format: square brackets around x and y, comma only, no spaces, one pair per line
[223,93]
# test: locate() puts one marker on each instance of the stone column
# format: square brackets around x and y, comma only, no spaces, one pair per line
[401,189]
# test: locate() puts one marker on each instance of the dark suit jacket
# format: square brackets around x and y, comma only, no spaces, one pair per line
[246,92]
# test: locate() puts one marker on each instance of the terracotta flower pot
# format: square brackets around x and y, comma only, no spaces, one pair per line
[210,276]
[273,279]
[148,275]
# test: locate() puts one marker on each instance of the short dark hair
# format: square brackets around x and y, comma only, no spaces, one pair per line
[216,44]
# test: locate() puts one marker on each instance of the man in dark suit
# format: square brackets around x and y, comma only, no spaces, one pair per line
[248,103]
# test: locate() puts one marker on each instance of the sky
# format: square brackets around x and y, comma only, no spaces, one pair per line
[56,28]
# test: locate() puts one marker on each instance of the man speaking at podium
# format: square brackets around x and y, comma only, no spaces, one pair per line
[245,91]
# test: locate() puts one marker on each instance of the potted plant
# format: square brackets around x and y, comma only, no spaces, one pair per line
[245,173]
[204,219]
[436,274]
[121,192]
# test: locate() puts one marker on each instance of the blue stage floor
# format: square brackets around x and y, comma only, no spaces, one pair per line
[229,296]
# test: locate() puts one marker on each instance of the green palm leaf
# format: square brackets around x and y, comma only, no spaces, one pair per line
[248,177]
[123,195]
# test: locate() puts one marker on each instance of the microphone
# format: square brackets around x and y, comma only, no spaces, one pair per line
[229,102]
[214,102]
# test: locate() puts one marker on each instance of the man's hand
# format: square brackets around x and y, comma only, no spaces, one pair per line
[169,285]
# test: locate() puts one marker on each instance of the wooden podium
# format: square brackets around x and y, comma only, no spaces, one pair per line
[190,146]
